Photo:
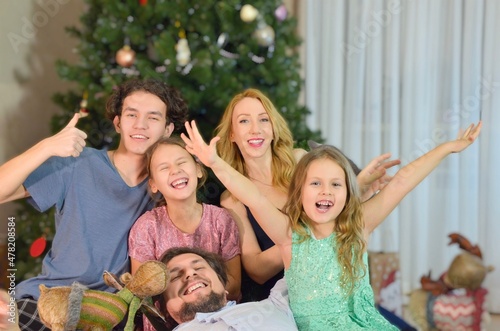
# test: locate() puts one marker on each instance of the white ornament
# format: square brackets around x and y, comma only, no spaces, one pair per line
[248,13]
[183,56]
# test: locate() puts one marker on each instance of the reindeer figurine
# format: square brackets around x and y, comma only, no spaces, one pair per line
[455,301]
[467,270]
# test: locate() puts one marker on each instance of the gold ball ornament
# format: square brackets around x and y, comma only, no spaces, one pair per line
[248,13]
[125,56]
[264,35]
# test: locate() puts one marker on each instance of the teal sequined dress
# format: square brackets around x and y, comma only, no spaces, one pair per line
[316,298]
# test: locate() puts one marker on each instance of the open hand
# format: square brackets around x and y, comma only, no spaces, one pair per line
[374,177]
[466,137]
[207,154]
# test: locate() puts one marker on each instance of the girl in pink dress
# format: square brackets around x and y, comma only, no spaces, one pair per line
[179,219]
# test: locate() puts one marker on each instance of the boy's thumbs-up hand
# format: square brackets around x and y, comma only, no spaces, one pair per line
[73,121]
[69,141]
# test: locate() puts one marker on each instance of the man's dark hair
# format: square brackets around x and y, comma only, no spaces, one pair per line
[177,109]
[215,261]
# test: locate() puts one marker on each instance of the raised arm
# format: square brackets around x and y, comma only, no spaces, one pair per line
[407,178]
[68,142]
[252,257]
[274,223]
[234,278]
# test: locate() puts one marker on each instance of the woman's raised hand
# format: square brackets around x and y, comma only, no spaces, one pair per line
[374,176]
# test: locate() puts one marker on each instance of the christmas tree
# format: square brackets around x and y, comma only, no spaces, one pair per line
[210,50]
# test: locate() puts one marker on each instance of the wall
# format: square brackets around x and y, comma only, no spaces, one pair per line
[32,39]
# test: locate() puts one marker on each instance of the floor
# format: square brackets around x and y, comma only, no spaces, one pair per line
[495,323]
[493,326]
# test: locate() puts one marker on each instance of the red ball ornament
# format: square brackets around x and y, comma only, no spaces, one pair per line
[83,108]
[125,56]
[38,246]
[143,2]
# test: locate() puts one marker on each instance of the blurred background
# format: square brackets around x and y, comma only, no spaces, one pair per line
[368,77]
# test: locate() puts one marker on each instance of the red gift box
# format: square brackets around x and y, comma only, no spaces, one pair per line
[385,279]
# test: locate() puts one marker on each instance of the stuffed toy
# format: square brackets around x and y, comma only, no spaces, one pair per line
[76,307]
[455,301]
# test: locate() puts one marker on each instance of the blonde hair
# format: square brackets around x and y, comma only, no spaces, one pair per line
[349,224]
[283,161]
[175,141]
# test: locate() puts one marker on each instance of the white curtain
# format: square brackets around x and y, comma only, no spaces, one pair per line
[402,77]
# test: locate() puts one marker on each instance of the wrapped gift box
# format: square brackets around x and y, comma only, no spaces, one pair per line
[385,279]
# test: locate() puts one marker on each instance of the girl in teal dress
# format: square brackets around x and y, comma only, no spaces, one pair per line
[323,229]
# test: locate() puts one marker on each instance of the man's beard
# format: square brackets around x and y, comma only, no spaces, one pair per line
[212,303]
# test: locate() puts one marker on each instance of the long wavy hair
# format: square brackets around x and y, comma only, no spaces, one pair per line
[283,161]
[349,224]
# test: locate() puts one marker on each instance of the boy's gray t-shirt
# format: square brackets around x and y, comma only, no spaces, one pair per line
[95,210]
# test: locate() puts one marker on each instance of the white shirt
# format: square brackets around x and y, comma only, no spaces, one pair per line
[271,314]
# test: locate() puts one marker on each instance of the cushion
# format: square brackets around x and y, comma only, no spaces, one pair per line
[459,309]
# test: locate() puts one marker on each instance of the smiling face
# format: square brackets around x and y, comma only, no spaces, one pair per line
[142,122]
[251,128]
[324,194]
[193,287]
[174,172]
